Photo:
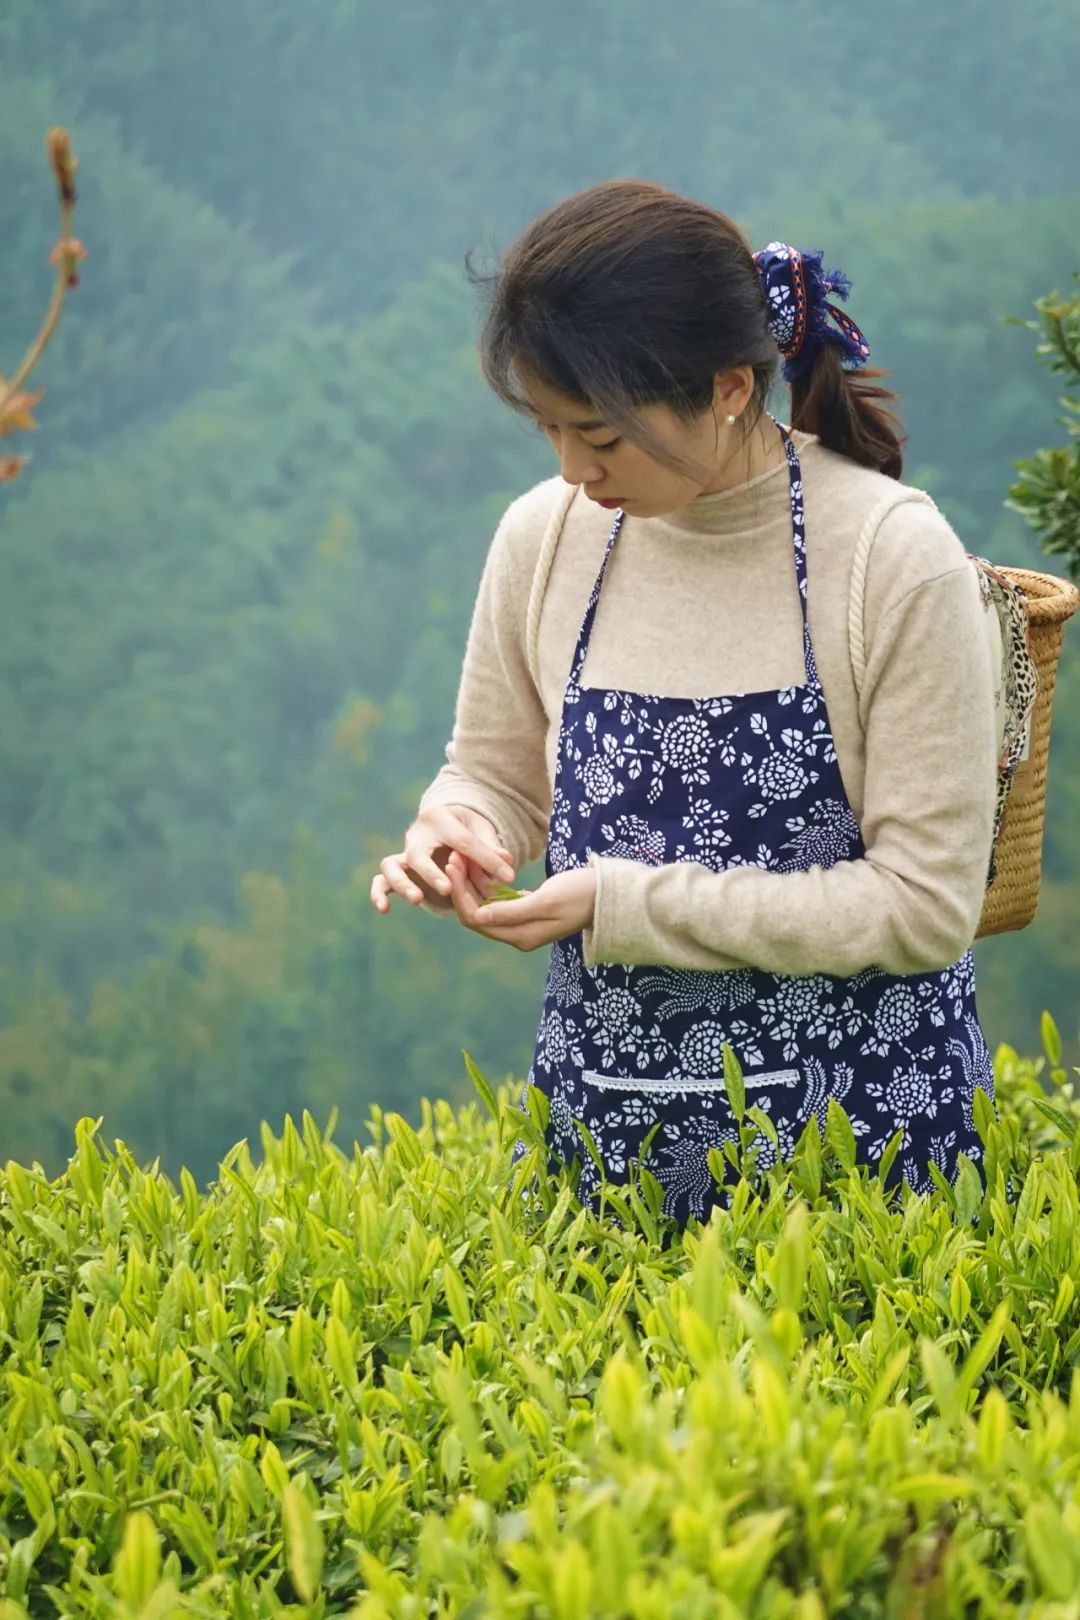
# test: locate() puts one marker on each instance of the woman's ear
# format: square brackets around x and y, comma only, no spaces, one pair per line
[732,390]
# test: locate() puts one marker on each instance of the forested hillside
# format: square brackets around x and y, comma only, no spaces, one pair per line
[236,577]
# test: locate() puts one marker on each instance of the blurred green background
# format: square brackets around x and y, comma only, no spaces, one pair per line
[236,577]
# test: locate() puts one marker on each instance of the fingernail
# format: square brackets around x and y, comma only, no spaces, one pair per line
[506,872]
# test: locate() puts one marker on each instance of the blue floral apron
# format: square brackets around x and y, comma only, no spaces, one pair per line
[745,780]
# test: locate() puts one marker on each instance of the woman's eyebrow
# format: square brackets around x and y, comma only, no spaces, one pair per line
[582,427]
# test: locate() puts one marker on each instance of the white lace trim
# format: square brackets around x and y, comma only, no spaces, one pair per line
[772,1077]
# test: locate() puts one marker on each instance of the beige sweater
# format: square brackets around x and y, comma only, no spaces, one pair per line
[704,602]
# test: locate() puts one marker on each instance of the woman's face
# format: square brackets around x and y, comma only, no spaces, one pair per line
[610,468]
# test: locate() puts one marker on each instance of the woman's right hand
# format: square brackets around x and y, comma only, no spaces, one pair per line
[418,872]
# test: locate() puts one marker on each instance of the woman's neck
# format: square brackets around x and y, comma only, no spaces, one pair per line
[760,452]
[731,513]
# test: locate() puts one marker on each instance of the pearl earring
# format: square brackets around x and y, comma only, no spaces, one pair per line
[730,417]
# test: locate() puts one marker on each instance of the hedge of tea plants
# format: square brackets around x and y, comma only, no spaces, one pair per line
[383,1384]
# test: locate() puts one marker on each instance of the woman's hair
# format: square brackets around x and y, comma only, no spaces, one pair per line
[628,294]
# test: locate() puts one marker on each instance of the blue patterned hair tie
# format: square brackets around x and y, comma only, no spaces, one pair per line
[800,314]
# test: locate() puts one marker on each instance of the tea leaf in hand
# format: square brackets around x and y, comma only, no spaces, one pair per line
[503,891]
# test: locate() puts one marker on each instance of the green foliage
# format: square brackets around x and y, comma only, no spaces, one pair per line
[388,1384]
[232,614]
[1047,492]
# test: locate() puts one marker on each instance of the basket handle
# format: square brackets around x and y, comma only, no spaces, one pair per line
[1050,599]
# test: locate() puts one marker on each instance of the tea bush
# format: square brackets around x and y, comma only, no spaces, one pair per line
[386,1384]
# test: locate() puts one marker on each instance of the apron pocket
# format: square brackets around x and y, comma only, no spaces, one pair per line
[693,1114]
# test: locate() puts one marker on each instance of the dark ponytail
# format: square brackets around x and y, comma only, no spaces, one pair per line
[629,294]
[839,407]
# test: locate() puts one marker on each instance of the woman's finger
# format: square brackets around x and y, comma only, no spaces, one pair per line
[399,878]
[524,933]
[466,898]
[417,857]
[468,872]
[492,857]
[380,898]
[459,887]
[495,862]
[478,880]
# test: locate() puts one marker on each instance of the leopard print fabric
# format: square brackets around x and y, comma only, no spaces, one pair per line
[1019,682]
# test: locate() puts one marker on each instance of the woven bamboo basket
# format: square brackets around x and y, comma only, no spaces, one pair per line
[1013,897]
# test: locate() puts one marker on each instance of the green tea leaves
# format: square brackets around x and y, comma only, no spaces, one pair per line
[388,1368]
[303,1542]
[733,1082]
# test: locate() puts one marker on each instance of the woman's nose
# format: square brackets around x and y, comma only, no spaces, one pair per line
[578,469]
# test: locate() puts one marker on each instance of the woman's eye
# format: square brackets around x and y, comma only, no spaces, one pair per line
[611,445]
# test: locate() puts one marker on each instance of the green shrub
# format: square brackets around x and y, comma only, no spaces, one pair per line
[387,1385]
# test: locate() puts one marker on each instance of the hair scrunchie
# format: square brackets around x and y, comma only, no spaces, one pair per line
[800,316]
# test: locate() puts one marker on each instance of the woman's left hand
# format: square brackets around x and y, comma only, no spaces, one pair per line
[562,905]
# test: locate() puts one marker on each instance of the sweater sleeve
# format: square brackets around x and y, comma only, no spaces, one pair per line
[495,759]
[912,903]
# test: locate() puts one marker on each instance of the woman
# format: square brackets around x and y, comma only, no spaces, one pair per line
[739,846]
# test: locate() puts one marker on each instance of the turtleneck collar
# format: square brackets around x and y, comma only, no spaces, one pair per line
[734,510]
